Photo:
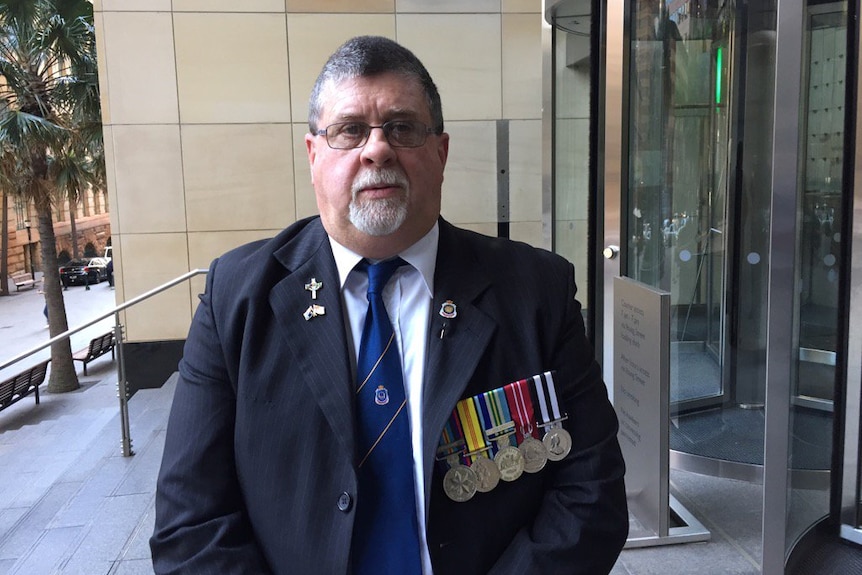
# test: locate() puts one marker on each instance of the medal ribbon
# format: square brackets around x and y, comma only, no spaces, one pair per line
[476,444]
[492,418]
[546,393]
[451,441]
[498,421]
[521,408]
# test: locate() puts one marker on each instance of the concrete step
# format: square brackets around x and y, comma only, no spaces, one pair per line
[91,512]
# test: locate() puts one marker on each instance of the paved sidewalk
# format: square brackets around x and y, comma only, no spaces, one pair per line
[23,325]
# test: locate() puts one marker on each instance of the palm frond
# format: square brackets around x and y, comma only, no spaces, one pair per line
[23,130]
[21,13]
[70,172]
[50,111]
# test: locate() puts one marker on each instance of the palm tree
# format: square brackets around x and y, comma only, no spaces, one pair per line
[48,105]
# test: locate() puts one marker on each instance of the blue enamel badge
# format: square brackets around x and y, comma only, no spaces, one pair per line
[381,395]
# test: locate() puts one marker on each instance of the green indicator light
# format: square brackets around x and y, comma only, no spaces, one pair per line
[718,58]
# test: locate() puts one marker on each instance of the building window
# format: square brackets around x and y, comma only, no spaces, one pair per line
[20,214]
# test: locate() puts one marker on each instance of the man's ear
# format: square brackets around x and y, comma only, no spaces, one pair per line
[443,149]
[311,150]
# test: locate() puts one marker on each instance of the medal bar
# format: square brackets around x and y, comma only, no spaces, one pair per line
[501,429]
[533,451]
[459,481]
[557,440]
[477,447]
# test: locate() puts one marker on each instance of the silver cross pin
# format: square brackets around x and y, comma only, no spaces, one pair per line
[313,286]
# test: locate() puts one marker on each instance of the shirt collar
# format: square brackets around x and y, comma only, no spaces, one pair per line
[422,256]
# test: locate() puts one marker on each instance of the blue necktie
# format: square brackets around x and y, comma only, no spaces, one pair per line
[385,535]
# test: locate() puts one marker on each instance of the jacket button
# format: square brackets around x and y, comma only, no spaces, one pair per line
[344,502]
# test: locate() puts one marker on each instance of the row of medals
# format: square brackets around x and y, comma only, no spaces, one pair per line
[461,482]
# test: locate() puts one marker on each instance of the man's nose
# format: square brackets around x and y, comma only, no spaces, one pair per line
[377,149]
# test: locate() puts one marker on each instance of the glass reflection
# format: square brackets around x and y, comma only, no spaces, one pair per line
[571,45]
[679,132]
[821,169]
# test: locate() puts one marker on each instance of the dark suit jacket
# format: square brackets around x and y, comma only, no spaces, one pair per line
[259,475]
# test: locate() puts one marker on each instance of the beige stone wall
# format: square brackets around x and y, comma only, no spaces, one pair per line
[204,105]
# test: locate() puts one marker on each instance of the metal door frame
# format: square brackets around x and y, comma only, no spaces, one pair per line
[849,500]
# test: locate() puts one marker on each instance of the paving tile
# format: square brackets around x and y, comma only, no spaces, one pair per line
[48,552]
[713,558]
[84,566]
[112,526]
[139,545]
[133,567]
[27,531]
[9,517]
[620,569]
[78,511]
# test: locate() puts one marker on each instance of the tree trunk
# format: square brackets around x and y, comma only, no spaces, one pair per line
[73,211]
[4,247]
[63,375]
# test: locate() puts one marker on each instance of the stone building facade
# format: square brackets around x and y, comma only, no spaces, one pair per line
[92,224]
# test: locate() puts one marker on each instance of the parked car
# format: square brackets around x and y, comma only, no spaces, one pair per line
[83,271]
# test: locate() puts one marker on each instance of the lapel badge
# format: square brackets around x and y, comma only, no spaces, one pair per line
[313,285]
[448,310]
[381,395]
[313,311]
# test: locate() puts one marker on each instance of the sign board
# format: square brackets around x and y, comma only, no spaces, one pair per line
[641,358]
[641,397]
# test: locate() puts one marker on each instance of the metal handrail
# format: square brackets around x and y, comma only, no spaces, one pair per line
[122,384]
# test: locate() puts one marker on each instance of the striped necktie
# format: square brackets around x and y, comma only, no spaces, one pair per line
[385,535]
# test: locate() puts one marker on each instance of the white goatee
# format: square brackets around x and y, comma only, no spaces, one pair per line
[379,216]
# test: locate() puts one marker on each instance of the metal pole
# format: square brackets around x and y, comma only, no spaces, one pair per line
[122,389]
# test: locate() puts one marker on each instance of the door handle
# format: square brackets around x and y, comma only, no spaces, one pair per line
[611,252]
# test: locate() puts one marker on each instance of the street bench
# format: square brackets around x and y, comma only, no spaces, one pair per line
[20,386]
[98,346]
[23,280]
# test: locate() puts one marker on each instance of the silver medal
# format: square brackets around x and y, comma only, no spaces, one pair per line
[535,454]
[459,483]
[510,461]
[558,442]
[487,474]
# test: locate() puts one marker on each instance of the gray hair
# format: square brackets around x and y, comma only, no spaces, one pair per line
[365,56]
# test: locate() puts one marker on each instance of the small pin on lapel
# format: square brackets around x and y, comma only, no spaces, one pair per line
[448,310]
[313,311]
[313,285]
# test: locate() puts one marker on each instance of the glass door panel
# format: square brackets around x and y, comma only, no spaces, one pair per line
[819,264]
[821,218]
[679,133]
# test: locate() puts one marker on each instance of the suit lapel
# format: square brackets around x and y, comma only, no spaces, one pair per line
[318,345]
[452,360]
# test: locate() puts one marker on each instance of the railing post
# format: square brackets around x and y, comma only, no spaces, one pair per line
[122,388]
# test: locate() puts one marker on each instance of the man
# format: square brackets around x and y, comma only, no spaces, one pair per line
[268,467]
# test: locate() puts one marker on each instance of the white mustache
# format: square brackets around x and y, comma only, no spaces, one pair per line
[376,178]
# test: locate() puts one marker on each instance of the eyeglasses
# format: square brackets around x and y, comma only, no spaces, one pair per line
[399,134]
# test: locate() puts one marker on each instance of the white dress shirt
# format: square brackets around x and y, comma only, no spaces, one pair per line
[407,297]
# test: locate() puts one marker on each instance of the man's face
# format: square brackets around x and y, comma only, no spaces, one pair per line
[377,200]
